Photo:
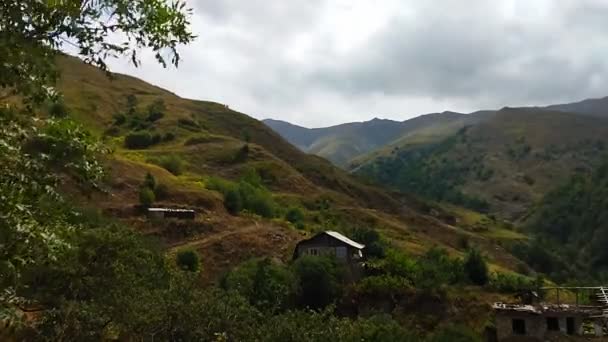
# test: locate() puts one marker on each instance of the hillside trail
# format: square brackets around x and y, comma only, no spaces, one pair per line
[215,237]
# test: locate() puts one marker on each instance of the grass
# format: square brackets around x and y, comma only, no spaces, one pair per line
[295,178]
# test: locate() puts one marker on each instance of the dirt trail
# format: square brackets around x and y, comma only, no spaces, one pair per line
[214,237]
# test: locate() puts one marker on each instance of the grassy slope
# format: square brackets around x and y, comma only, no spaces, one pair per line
[528,152]
[297,178]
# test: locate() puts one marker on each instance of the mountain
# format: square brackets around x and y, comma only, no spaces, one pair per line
[503,164]
[201,151]
[593,107]
[343,143]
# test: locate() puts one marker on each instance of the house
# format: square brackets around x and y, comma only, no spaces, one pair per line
[541,321]
[165,213]
[331,243]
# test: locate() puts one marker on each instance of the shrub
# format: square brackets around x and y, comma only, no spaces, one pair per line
[383,285]
[436,268]
[146,196]
[266,285]
[171,163]
[188,124]
[318,281]
[220,185]
[242,154]
[58,109]
[294,215]
[156,138]
[161,191]
[476,268]
[112,131]
[196,140]
[188,260]
[156,110]
[256,200]
[138,140]
[149,181]
[513,283]
[169,136]
[233,202]
[374,246]
[455,333]
[119,119]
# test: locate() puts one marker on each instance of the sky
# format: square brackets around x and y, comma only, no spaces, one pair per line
[318,63]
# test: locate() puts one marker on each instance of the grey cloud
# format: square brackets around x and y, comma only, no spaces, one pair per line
[285,59]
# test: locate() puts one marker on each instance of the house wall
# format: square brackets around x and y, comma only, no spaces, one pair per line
[536,325]
[326,245]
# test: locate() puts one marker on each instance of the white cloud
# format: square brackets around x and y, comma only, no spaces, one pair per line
[323,62]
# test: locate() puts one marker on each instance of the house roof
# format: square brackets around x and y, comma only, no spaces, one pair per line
[170,210]
[344,239]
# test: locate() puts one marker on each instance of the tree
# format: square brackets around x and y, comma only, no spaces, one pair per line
[233,201]
[476,268]
[146,196]
[318,281]
[34,31]
[37,227]
[156,110]
[149,182]
[188,260]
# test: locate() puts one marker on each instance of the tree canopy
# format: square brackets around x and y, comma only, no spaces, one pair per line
[33,31]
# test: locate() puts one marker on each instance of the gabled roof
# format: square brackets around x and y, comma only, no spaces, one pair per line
[344,239]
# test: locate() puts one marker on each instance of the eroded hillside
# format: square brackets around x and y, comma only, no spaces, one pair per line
[200,151]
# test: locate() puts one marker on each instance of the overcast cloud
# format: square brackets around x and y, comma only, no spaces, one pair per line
[324,62]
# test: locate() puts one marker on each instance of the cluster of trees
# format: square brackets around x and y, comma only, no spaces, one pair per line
[427,171]
[151,191]
[249,194]
[141,124]
[572,219]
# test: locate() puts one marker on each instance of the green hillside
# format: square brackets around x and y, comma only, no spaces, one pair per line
[502,165]
[215,149]
[343,144]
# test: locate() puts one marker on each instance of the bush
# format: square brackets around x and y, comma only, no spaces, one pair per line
[233,202]
[383,285]
[256,200]
[156,110]
[294,215]
[374,246]
[58,109]
[455,333]
[119,119]
[149,181]
[161,191]
[197,140]
[169,136]
[242,154]
[188,260]
[266,285]
[146,196]
[188,124]
[318,281]
[138,140]
[171,163]
[476,268]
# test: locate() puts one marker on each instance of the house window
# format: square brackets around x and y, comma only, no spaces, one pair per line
[519,327]
[313,251]
[552,324]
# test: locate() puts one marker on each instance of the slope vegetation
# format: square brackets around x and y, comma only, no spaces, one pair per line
[502,165]
[344,143]
[202,151]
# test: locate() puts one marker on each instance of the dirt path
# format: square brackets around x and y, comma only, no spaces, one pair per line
[215,237]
